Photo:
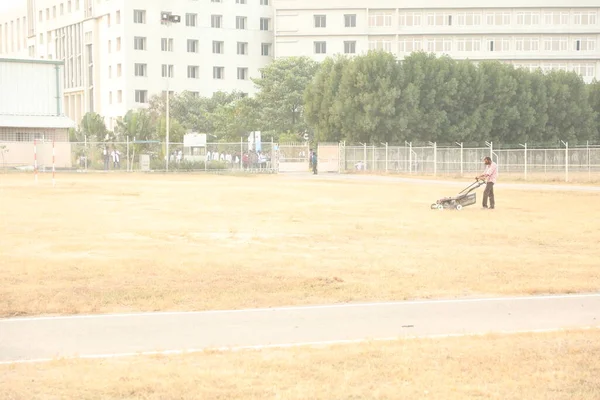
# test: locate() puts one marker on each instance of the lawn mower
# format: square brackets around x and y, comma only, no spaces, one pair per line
[465,198]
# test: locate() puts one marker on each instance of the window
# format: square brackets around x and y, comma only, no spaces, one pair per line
[109,97]
[218,72]
[439,19]
[192,46]
[54,12]
[119,70]
[468,19]
[498,19]
[118,17]
[265,49]
[408,45]
[242,74]
[62,9]
[320,47]
[193,71]
[410,19]
[191,19]
[218,47]
[585,44]
[139,43]
[69,6]
[528,18]
[349,47]
[350,20]
[584,18]
[216,21]
[41,16]
[242,48]
[320,21]
[264,2]
[109,71]
[240,22]
[139,16]
[195,94]
[556,18]
[167,71]
[118,44]
[215,1]
[439,45]
[380,20]
[468,44]
[141,96]
[119,96]
[141,69]
[110,46]
[385,45]
[527,44]
[555,44]
[264,24]
[585,70]
[166,44]
[240,1]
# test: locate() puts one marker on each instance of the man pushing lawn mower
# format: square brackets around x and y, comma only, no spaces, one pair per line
[489,175]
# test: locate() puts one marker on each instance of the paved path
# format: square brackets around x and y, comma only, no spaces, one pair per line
[461,184]
[43,338]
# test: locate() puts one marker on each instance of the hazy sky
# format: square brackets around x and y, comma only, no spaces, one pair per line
[8,4]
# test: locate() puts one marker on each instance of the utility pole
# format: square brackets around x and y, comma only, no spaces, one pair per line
[166,18]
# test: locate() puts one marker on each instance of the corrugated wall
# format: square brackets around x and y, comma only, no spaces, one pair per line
[28,88]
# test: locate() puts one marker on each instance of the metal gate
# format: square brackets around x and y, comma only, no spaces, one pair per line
[293,157]
[329,157]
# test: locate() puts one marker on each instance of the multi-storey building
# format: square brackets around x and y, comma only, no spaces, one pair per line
[546,34]
[118,53]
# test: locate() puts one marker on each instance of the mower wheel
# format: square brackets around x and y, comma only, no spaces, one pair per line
[440,207]
[459,207]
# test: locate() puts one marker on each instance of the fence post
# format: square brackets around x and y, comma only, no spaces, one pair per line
[365,155]
[386,157]
[525,147]
[587,145]
[461,158]
[85,152]
[410,164]
[127,153]
[566,161]
[434,158]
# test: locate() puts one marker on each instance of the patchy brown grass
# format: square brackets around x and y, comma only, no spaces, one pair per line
[558,366]
[116,243]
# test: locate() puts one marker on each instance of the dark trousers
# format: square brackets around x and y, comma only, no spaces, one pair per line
[314,168]
[489,192]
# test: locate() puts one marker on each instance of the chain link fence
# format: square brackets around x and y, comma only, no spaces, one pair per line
[431,159]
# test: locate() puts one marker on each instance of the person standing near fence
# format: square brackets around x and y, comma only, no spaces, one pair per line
[490,175]
[314,161]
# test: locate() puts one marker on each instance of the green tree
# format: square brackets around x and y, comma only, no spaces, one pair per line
[369,94]
[281,95]
[320,98]
[236,119]
[594,101]
[92,125]
[570,116]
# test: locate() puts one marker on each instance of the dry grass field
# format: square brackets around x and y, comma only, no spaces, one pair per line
[117,243]
[557,366]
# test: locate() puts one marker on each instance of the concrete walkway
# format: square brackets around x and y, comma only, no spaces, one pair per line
[98,336]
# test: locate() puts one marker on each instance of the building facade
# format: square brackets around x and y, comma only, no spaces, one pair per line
[31,109]
[119,53]
[532,34]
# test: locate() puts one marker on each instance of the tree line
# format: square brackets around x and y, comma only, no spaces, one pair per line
[375,98]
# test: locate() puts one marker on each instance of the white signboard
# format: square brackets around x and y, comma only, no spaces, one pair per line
[194,140]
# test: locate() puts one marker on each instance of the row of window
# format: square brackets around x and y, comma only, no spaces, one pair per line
[61,9]
[193,71]
[216,20]
[585,70]
[384,19]
[410,44]
[193,45]
[446,18]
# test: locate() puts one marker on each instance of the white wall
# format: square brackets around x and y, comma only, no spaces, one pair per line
[29,88]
